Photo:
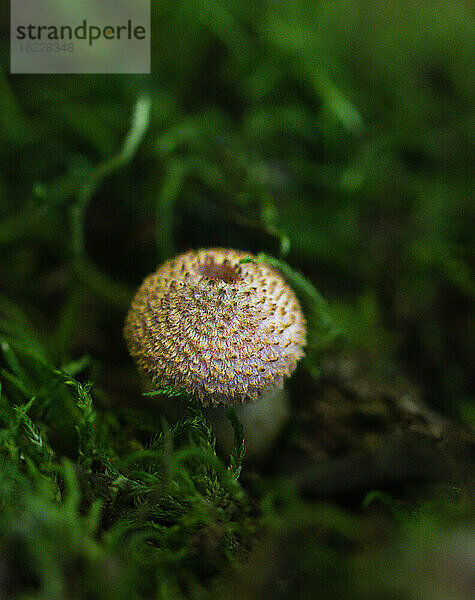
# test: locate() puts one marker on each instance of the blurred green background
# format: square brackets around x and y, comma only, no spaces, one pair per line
[336,135]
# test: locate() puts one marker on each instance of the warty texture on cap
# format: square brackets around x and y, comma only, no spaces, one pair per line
[223,331]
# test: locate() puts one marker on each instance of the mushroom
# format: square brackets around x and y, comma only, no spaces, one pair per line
[226,332]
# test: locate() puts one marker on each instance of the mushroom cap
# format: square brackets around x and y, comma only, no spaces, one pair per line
[223,331]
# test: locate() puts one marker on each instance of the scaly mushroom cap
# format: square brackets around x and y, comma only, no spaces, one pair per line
[225,332]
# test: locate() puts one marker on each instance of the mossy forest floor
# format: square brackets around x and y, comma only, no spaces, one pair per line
[334,138]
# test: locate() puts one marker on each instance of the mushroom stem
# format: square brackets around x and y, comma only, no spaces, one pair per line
[262,420]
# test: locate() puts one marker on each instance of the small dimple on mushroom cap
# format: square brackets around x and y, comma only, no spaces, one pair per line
[225,332]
